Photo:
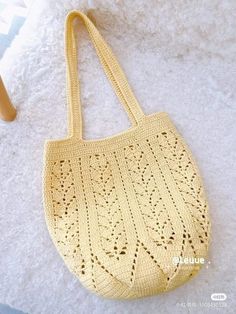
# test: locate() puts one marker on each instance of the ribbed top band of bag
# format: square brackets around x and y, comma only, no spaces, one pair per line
[112,70]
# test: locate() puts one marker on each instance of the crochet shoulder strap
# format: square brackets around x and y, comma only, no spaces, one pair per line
[112,70]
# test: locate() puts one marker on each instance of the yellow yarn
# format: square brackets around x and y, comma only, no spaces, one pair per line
[121,209]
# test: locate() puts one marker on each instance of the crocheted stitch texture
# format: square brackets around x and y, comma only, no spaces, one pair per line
[121,209]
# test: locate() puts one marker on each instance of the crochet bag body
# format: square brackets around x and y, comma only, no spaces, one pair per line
[124,211]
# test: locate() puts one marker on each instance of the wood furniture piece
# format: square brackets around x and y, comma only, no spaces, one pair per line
[7,111]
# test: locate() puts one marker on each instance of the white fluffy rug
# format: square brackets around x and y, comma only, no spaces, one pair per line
[180,57]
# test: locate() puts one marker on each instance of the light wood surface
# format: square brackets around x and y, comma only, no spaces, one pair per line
[7,111]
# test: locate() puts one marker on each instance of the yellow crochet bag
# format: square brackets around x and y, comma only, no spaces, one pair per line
[128,213]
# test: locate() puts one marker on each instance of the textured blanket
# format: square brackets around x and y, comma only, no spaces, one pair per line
[179,57]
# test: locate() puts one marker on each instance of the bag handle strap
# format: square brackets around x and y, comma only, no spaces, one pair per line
[111,68]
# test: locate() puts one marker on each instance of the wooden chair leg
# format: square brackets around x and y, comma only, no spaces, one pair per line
[7,111]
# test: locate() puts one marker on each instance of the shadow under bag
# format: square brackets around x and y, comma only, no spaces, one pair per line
[124,212]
